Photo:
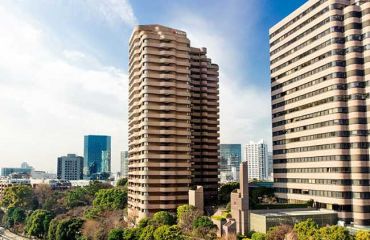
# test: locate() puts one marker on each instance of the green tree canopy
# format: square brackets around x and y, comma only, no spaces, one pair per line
[68,229]
[143,222]
[258,236]
[95,186]
[186,214]
[116,234]
[334,233]
[52,229]
[203,222]
[77,197]
[14,216]
[18,196]
[225,190]
[166,232]
[131,234]
[122,182]
[147,233]
[38,223]
[362,235]
[162,218]
[110,199]
[307,229]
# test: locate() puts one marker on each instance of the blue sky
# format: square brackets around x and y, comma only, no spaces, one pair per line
[63,69]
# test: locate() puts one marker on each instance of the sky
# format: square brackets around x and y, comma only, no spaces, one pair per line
[64,69]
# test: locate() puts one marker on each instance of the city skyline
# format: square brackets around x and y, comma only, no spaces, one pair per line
[74,76]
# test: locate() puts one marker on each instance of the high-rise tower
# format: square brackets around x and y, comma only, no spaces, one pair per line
[256,155]
[173,120]
[97,155]
[320,67]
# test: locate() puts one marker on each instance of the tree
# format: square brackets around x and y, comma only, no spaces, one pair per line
[107,200]
[143,222]
[162,218]
[334,233]
[166,232]
[77,197]
[95,186]
[116,234]
[42,192]
[362,235]
[225,190]
[258,236]
[52,229]
[18,196]
[55,202]
[278,232]
[307,229]
[38,223]
[83,196]
[204,228]
[110,199]
[147,233]
[131,234]
[186,214]
[258,192]
[14,216]
[122,182]
[69,229]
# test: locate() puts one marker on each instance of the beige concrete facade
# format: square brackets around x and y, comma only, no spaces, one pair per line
[196,198]
[239,201]
[320,69]
[173,115]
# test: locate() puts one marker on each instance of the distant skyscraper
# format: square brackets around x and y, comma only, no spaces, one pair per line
[320,72]
[124,164]
[26,165]
[230,159]
[97,154]
[70,167]
[173,120]
[256,157]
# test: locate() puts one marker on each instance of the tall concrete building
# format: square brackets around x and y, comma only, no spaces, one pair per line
[230,159]
[97,155]
[70,167]
[124,164]
[320,67]
[239,201]
[173,120]
[256,155]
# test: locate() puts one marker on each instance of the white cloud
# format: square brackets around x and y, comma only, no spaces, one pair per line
[113,10]
[50,98]
[244,108]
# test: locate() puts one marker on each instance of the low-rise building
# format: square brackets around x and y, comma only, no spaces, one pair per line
[263,220]
[6,171]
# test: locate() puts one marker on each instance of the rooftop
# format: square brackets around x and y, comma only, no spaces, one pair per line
[292,212]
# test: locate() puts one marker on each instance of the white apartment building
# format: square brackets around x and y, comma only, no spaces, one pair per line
[256,156]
